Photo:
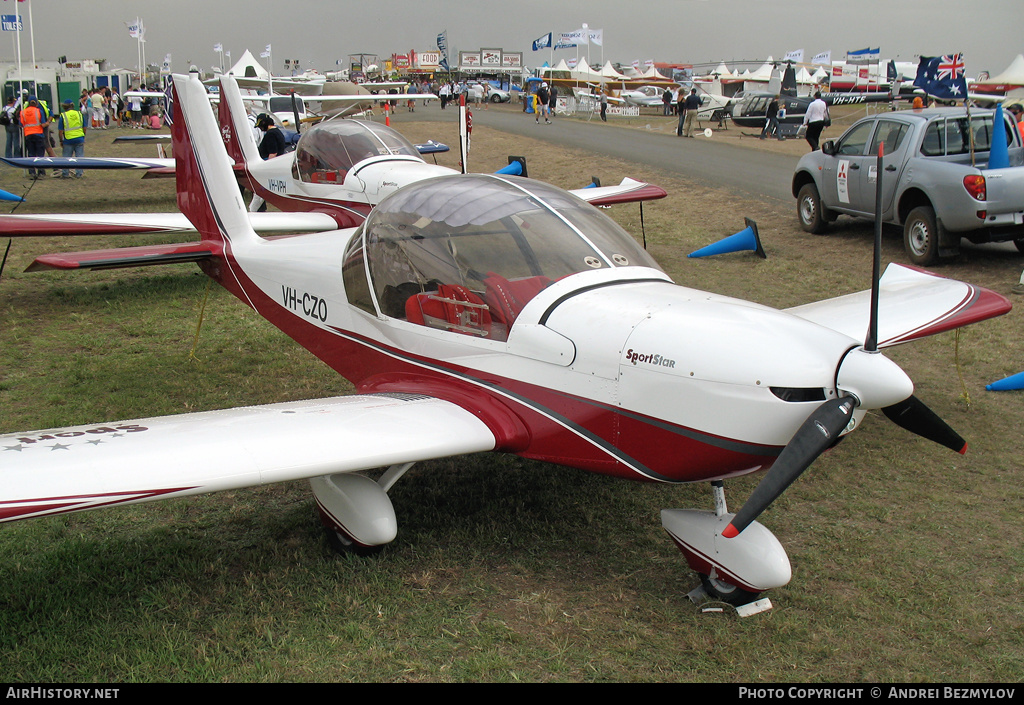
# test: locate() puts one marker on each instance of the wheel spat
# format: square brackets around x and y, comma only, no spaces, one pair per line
[814,437]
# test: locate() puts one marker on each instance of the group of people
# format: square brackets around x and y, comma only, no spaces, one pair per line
[450,91]
[34,123]
[687,105]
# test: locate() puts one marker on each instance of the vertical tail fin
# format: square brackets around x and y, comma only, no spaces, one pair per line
[208,194]
[234,123]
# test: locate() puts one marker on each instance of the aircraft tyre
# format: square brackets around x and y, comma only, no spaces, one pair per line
[345,546]
[812,214]
[921,236]
[726,592]
[1019,244]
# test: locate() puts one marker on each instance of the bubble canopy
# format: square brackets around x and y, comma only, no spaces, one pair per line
[329,149]
[490,242]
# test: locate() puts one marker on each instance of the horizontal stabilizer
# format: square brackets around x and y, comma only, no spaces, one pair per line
[432,147]
[912,304]
[629,191]
[124,257]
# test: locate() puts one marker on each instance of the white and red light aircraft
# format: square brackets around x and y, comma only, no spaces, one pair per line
[494,313]
[338,172]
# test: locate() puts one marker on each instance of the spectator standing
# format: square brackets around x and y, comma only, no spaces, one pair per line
[543,95]
[690,107]
[771,118]
[99,113]
[816,119]
[33,123]
[71,130]
[135,106]
[9,119]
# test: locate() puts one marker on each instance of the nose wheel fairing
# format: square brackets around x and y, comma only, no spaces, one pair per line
[754,561]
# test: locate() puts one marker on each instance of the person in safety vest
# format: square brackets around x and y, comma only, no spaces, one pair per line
[33,123]
[71,129]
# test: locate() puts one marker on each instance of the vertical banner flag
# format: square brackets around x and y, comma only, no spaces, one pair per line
[596,36]
[265,54]
[542,43]
[823,59]
[218,47]
[796,56]
[442,45]
[942,76]
[134,29]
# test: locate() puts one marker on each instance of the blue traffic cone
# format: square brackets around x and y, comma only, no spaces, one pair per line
[516,167]
[746,239]
[1009,383]
[999,153]
[8,196]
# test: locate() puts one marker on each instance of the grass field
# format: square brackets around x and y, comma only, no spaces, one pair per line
[907,558]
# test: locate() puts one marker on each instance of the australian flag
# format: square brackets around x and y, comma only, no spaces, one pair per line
[942,76]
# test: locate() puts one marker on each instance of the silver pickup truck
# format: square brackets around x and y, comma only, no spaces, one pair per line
[929,185]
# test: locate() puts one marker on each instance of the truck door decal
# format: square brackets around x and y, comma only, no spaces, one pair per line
[842,173]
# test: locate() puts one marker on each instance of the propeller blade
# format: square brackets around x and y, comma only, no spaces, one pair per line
[816,435]
[914,416]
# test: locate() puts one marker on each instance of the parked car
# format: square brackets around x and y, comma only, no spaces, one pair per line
[936,181]
[477,91]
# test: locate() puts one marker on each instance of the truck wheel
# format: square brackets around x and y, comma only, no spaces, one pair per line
[921,236]
[810,210]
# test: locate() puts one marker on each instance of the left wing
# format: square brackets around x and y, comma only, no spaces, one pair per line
[126,462]
[912,304]
[629,191]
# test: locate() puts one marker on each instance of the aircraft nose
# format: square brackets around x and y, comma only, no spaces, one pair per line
[876,381]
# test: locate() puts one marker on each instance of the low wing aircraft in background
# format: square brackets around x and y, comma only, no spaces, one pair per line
[482,312]
[339,171]
[644,96]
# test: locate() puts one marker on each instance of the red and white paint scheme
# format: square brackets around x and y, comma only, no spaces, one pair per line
[494,313]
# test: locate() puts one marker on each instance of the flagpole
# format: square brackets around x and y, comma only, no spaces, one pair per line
[138,52]
[142,48]
[32,43]
[21,79]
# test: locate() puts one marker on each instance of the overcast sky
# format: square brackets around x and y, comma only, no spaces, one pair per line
[320,32]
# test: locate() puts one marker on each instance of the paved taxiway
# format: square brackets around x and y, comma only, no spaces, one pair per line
[747,172]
